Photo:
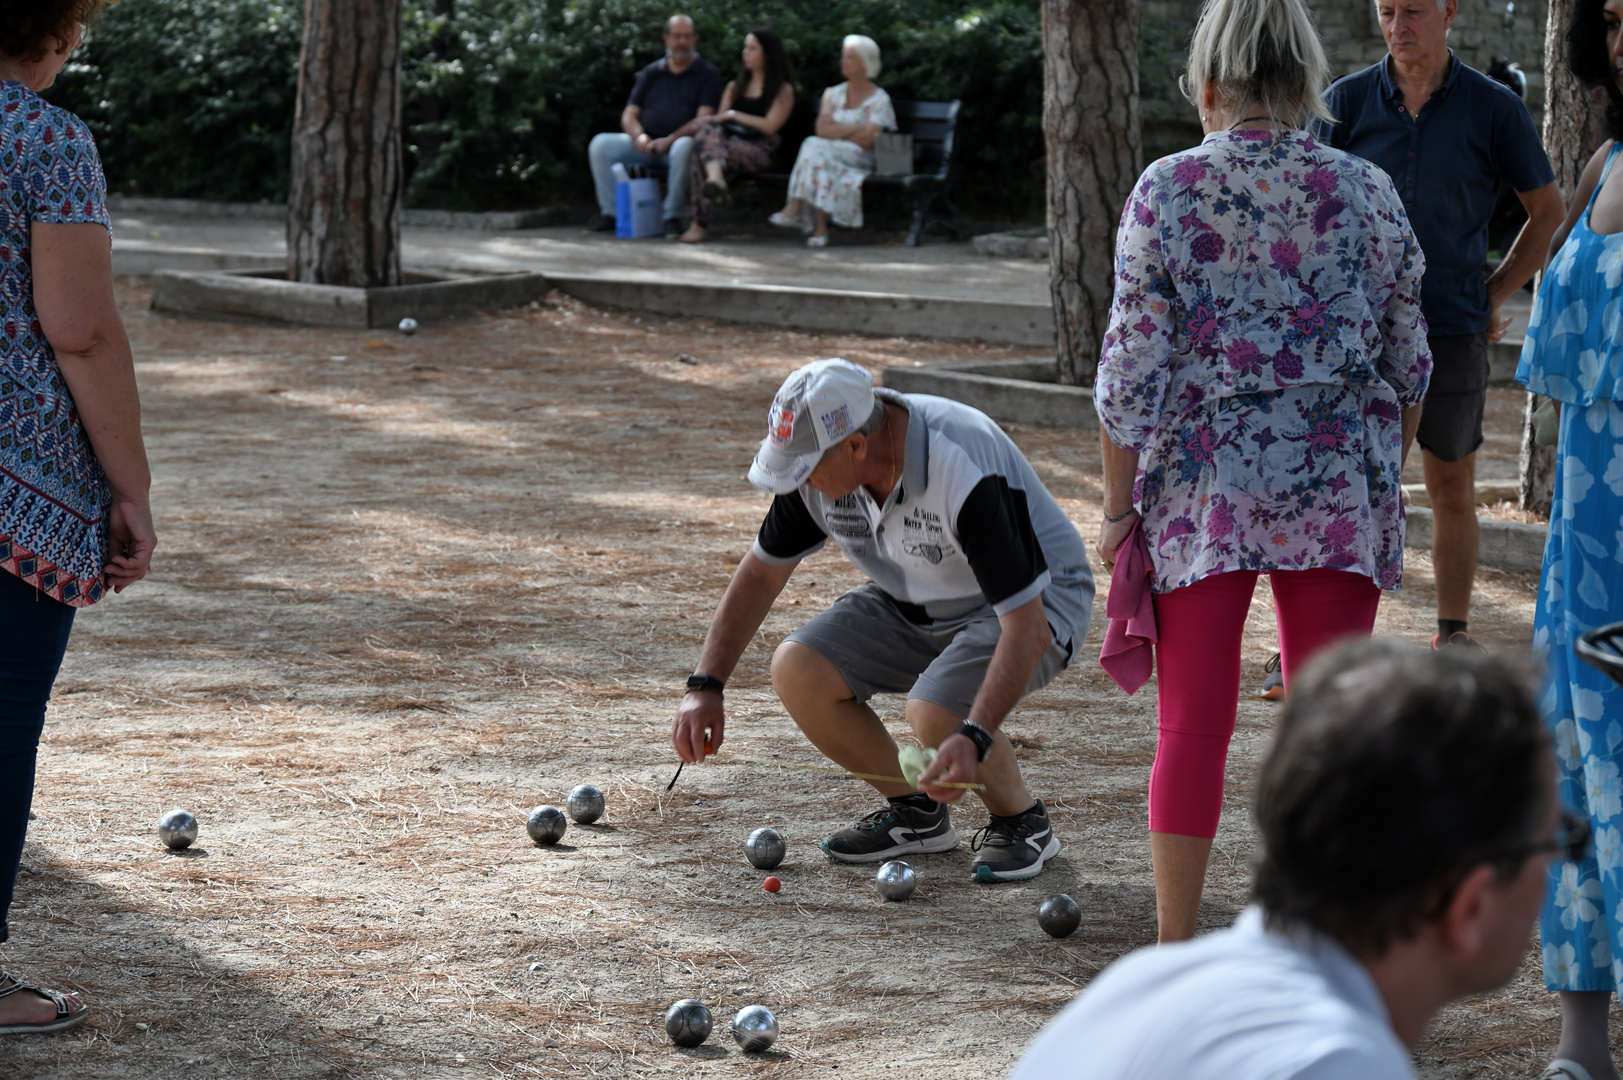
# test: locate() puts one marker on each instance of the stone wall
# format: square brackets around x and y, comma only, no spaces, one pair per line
[1352,40]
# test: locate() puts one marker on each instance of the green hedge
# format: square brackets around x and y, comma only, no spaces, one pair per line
[194,98]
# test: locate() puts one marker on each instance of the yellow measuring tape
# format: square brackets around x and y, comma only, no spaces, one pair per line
[826,769]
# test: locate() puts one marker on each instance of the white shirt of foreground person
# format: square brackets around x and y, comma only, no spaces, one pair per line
[1246,1003]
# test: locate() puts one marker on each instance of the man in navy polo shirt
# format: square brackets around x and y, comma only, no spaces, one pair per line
[1448,136]
[669,96]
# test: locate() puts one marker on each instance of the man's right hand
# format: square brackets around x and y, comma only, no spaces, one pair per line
[700,725]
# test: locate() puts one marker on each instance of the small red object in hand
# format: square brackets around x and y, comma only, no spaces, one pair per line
[772,884]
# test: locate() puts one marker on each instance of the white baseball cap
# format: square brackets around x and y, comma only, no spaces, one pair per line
[815,408]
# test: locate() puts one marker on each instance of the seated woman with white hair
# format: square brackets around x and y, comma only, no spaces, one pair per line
[827,179]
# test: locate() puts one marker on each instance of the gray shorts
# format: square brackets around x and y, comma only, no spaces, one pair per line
[880,650]
[1451,421]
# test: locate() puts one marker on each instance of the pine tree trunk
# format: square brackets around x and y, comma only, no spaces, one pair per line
[1095,154]
[343,212]
[1574,125]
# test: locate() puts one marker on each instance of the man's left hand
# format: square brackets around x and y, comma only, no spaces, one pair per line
[956,762]
[660,147]
[1496,326]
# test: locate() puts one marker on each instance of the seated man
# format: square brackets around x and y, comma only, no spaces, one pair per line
[1408,816]
[669,95]
[979,591]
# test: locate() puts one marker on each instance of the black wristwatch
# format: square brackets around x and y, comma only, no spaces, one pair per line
[977,735]
[706,682]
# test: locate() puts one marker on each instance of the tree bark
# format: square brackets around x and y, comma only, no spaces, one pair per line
[1574,125]
[343,212]
[1092,126]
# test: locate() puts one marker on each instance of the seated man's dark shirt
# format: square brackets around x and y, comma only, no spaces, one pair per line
[1473,134]
[669,100]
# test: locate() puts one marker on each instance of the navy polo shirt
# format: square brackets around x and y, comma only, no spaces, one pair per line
[669,100]
[1472,135]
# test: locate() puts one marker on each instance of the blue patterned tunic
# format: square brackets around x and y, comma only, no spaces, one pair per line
[1574,353]
[53,494]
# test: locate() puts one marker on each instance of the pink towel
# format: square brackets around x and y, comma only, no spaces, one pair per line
[1128,655]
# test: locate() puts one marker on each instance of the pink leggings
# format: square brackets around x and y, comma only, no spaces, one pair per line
[1197,664]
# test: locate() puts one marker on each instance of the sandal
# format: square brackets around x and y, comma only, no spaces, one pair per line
[784,221]
[66,1015]
[817,241]
[715,189]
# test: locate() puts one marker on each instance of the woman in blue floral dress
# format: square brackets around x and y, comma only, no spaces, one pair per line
[1260,380]
[74,516]
[1574,354]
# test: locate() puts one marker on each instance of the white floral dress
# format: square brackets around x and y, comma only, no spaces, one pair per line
[829,172]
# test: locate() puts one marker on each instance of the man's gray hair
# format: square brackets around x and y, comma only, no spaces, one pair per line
[876,419]
[1262,51]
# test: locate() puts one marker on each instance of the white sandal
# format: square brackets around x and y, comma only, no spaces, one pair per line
[817,241]
[1564,1069]
[784,221]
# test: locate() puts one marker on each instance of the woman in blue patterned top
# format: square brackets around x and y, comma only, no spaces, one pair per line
[74,516]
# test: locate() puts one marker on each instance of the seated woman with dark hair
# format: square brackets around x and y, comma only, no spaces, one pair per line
[741,135]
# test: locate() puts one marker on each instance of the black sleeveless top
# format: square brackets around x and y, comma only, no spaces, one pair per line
[754,106]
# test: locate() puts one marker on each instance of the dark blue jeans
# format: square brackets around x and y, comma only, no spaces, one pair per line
[33,636]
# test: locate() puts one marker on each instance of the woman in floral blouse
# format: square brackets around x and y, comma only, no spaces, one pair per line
[1260,382]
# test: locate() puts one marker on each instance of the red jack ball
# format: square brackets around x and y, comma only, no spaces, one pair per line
[772,884]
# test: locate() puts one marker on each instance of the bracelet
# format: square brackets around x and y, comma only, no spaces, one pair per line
[1123,516]
[977,735]
[706,682]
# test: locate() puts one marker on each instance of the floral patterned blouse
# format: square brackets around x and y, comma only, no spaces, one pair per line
[1264,338]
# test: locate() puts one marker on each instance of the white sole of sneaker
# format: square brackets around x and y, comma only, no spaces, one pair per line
[1050,849]
[933,846]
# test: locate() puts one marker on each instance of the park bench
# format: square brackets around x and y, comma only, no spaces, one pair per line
[932,124]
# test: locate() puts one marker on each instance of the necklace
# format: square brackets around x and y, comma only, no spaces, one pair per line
[1247,120]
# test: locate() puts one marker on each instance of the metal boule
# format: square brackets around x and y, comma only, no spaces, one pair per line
[585,804]
[896,880]
[688,1022]
[765,848]
[755,1028]
[1059,916]
[177,829]
[546,824]
[408,326]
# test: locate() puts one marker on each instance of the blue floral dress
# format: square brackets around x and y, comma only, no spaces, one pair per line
[1574,354]
[1264,338]
[53,494]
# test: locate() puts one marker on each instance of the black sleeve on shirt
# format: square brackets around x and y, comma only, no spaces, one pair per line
[711,94]
[639,90]
[789,529]
[999,541]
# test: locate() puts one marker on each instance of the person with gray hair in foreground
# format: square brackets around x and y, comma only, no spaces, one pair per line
[979,592]
[1407,816]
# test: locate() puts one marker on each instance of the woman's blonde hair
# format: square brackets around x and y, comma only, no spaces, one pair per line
[1265,51]
[867,50]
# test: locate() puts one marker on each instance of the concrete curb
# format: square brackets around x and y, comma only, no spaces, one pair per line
[137,259]
[242,293]
[1011,391]
[885,314]
[497,221]
[1504,545]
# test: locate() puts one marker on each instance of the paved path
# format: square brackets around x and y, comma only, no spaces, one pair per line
[764,256]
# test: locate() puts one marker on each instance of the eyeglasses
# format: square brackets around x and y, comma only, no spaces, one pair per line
[1570,840]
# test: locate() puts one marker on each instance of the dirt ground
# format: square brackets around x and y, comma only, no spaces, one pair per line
[408,589]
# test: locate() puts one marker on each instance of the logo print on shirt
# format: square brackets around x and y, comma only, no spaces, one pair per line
[845,519]
[925,538]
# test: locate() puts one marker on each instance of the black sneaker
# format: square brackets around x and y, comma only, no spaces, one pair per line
[895,830]
[1014,848]
[602,223]
[673,228]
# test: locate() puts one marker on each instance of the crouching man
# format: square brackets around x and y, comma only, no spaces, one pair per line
[978,592]
[1407,815]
